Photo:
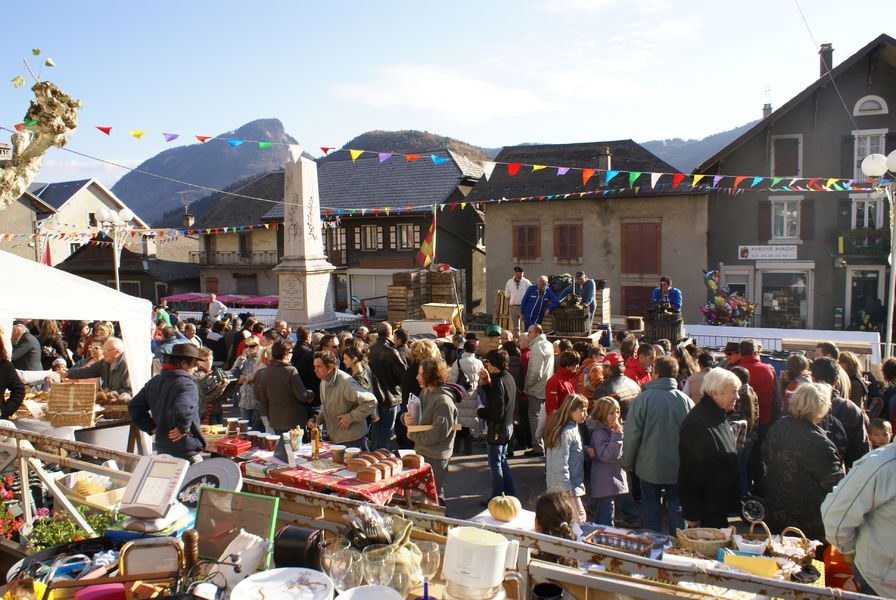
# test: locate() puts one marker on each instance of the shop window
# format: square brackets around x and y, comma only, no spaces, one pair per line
[785,218]
[785,302]
[867,141]
[568,243]
[635,299]
[640,248]
[787,155]
[526,243]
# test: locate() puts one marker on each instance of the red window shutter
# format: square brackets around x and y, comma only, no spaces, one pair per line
[515,250]
[580,246]
[635,299]
[558,234]
[787,157]
[807,219]
[536,247]
[640,248]
[764,220]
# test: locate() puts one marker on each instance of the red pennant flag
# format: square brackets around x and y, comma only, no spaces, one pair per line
[738,179]
[813,183]
[326,149]
[513,168]
[106,130]
[586,175]
[202,138]
[412,157]
[676,179]
[20,126]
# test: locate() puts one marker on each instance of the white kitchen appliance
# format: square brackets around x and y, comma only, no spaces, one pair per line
[476,564]
[151,495]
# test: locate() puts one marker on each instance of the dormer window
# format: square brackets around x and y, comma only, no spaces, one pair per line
[870,105]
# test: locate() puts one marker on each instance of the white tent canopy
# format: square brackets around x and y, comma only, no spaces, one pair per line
[34,291]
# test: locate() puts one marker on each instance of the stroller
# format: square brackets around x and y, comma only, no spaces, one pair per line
[752,504]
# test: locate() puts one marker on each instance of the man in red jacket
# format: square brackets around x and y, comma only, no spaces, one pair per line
[640,367]
[562,383]
[762,380]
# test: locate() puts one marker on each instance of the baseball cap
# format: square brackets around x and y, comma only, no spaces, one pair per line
[517,269]
[613,359]
[580,274]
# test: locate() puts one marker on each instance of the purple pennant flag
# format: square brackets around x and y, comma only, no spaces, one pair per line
[170,137]
[717,179]
[384,156]
[562,170]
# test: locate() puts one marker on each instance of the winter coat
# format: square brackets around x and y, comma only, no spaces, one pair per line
[855,424]
[246,366]
[167,401]
[114,376]
[635,372]
[9,381]
[466,410]
[652,431]
[281,396]
[623,388]
[388,370]
[541,366]
[342,395]
[565,464]
[561,384]
[803,467]
[52,348]
[26,353]
[707,465]
[303,361]
[607,476]
[762,380]
[438,407]
[533,306]
[500,394]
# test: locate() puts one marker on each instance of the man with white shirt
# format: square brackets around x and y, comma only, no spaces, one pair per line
[514,291]
[216,308]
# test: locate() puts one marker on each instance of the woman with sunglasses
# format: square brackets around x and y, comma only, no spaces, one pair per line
[244,370]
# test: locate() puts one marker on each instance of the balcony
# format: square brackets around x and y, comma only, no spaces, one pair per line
[864,241]
[266,258]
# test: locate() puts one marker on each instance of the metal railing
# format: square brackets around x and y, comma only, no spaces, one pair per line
[263,258]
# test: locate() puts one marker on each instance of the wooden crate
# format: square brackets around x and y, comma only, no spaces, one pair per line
[602,309]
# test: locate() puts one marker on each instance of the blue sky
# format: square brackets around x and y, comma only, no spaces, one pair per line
[490,73]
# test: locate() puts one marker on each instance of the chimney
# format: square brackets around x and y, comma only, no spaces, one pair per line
[826,59]
[604,159]
[189,218]
[766,110]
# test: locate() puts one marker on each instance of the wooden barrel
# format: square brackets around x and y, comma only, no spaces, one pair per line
[571,320]
[663,326]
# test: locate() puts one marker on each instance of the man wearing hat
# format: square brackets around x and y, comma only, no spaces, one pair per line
[514,291]
[585,289]
[615,383]
[168,405]
[732,355]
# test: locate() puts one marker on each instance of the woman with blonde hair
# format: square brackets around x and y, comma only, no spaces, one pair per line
[608,480]
[564,453]
[858,389]
[51,343]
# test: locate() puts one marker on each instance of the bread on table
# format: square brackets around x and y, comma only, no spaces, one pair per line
[412,461]
[356,464]
[370,475]
[382,454]
[384,469]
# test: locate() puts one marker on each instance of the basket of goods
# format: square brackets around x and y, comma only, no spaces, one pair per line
[72,404]
[619,541]
[754,543]
[705,540]
[798,549]
[115,405]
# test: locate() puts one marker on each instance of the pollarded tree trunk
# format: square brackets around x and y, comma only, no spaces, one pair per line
[56,116]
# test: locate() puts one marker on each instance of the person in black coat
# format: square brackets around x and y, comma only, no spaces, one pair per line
[707,453]
[25,349]
[303,361]
[9,382]
[388,370]
[500,393]
[844,413]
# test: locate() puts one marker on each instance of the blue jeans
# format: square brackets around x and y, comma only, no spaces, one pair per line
[252,415]
[604,509]
[863,585]
[381,431]
[650,506]
[502,481]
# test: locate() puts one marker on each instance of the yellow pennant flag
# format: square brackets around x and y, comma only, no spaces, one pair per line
[697,179]
[463,205]
[387,209]
[355,154]
[830,182]
[137,133]
[538,167]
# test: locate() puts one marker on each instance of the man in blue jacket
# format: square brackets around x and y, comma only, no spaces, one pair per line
[585,289]
[667,295]
[539,299]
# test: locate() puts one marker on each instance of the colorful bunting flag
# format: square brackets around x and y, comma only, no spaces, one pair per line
[487,168]
[30,121]
[633,177]
[756,181]
[654,178]
[106,130]
[717,179]
[513,168]
[137,133]
[611,175]
[437,160]
[738,180]
[202,138]
[355,154]
[697,179]
[562,171]
[170,137]
[677,178]
[234,143]
[20,126]
[586,175]
[263,145]
[384,156]
[412,157]
[538,168]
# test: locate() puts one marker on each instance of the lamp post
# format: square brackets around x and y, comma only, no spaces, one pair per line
[117,226]
[875,166]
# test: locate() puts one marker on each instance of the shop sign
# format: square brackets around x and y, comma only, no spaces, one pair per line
[782,252]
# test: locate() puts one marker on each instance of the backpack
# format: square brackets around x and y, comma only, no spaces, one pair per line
[462,379]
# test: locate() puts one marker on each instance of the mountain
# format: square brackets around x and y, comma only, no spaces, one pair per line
[214,164]
[686,155]
[411,141]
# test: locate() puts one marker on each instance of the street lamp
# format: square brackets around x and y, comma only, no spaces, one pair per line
[117,226]
[875,166]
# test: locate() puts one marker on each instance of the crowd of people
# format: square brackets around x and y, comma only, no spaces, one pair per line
[637,435]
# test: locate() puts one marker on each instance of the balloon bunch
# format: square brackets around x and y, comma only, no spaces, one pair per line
[726,307]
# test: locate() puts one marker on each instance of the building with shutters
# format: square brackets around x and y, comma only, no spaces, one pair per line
[628,239]
[811,260]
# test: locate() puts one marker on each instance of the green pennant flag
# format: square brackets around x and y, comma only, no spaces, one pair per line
[633,177]
[265,144]
[30,121]
[776,181]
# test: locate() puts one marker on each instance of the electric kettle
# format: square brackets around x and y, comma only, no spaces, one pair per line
[475,564]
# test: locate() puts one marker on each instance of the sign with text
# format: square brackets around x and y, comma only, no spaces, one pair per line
[782,252]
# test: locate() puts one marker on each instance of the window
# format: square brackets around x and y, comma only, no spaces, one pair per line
[480,234]
[246,284]
[785,218]
[867,141]
[369,237]
[91,219]
[211,285]
[635,298]
[72,248]
[568,243]
[867,213]
[337,237]
[245,244]
[787,155]
[131,288]
[404,236]
[526,243]
[870,105]
[641,246]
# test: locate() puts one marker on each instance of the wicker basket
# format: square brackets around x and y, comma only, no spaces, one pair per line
[803,553]
[705,540]
[752,542]
[73,419]
[620,542]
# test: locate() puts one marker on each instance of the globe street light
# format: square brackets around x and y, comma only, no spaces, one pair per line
[117,226]
[875,166]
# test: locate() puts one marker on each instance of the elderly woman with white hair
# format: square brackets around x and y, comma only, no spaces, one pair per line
[803,464]
[707,454]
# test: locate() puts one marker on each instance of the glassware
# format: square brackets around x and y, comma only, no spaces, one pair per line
[431,559]
[345,569]
[379,564]
[330,547]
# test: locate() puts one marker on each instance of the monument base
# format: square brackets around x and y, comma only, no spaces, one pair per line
[306,292]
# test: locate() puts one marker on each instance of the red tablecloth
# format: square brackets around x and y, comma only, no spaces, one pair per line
[380,492]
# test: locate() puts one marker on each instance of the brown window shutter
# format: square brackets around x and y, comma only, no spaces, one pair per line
[580,245]
[535,231]
[807,219]
[658,248]
[847,157]
[764,220]
[515,250]
[558,233]
[787,157]
[624,245]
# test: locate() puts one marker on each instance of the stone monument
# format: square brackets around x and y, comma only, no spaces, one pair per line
[305,282]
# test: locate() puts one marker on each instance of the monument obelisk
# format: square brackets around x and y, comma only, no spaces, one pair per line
[306,287]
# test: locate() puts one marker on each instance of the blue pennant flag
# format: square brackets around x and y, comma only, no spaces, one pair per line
[438,159]
[234,143]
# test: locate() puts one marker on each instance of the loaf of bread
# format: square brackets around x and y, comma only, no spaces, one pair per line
[412,461]
[370,474]
[384,469]
[369,457]
[382,454]
[356,464]
[396,463]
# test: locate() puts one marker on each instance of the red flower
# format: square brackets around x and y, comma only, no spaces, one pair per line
[78,538]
